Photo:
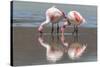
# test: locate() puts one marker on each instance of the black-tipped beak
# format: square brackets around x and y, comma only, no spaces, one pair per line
[69,23]
[41,32]
[64,26]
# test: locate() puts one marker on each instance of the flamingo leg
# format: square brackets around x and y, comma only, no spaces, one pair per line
[52,37]
[52,30]
[57,28]
[74,30]
[76,38]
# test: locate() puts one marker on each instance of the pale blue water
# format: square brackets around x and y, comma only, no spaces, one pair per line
[30,14]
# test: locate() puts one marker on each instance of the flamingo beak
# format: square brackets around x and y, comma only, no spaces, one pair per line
[66,23]
[62,29]
[40,29]
[69,23]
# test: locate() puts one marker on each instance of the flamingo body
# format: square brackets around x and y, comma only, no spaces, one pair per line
[53,15]
[74,18]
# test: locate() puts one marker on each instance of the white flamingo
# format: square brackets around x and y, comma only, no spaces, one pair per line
[53,15]
[74,18]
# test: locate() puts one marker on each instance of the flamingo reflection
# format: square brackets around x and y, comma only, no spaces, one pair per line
[74,18]
[53,52]
[76,49]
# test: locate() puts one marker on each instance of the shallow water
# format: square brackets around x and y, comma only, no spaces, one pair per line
[28,50]
[31,49]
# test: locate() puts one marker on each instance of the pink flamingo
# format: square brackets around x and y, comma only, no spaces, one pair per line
[74,18]
[53,15]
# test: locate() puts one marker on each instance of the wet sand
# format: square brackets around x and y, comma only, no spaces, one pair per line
[28,51]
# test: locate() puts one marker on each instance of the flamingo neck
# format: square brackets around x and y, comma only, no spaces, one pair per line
[63,14]
[40,29]
[45,22]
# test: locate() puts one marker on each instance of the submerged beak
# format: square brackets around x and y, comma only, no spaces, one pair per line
[40,29]
[63,28]
[66,23]
[69,23]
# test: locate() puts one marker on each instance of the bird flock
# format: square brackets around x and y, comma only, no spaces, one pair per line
[54,15]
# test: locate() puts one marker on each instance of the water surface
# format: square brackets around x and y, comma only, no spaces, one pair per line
[28,48]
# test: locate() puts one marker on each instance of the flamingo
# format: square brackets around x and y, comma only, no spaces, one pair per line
[74,18]
[53,15]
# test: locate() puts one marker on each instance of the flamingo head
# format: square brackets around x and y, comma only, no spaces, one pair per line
[40,29]
[63,28]
[67,21]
